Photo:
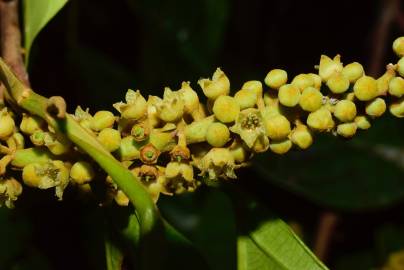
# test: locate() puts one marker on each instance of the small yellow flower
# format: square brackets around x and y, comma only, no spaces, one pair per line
[276,78]
[218,86]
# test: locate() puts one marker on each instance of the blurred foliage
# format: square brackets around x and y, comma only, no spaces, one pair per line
[36,15]
[347,175]
[93,50]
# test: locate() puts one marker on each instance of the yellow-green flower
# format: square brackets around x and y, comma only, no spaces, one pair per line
[249,125]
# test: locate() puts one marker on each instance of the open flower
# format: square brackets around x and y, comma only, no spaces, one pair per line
[135,106]
[47,175]
[10,189]
[250,127]
[217,163]
[179,178]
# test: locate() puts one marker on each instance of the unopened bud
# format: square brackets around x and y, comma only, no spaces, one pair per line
[276,78]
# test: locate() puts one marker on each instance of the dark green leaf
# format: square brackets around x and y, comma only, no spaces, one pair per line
[337,173]
[37,13]
[266,242]
[114,256]
[250,256]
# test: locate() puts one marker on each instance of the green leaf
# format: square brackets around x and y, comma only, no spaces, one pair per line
[273,245]
[207,219]
[266,242]
[38,13]
[250,256]
[337,173]
[114,256]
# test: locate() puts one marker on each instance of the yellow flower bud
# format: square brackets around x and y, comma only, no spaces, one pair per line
[303,81]
[396,87]
[246,98]
[280,147]
[376,107]
[82,172]
[110,138]
[7,125]
[301,136]
[353,71]
[58,145]
[218,86]
[30,124]
[400,67]
[190,98]
[196,131]
[277,127]
[316,79]
[362,122]
[217,134]
[345,110]
[152,114]
[289,95]
[320,120]
[365,88]
[398,46]
[276,78]
[397,108]
[121,199]
[261,144]
[135,106]
[329,66]
[384,81]
[338,83]
[226,109]
[254,86]
[129,149]
[19,140]
[272,104]
[101,120]
[346,130]
[171,108]
[311,99]
[29,175]
[239,152]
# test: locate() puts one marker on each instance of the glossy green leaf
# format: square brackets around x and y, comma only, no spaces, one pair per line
[114,256]
[250,256]
[272,246]
[37,14]
[205,218]
[266,242]
[350,175]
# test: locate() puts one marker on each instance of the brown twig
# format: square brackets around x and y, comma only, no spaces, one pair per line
[10,36]
[325,231]
[388,15]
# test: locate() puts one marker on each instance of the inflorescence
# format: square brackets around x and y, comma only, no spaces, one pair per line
[175,143]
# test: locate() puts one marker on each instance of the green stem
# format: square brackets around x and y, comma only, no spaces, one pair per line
[38,105]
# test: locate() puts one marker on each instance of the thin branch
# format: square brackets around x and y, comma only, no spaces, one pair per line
[10,36]
[325,231]
[380,34]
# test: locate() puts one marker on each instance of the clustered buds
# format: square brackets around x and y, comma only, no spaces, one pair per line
[175,143]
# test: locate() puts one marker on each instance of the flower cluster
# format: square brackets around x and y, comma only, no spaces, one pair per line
[175,143]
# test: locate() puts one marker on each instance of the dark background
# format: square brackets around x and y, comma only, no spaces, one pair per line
[94,50]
